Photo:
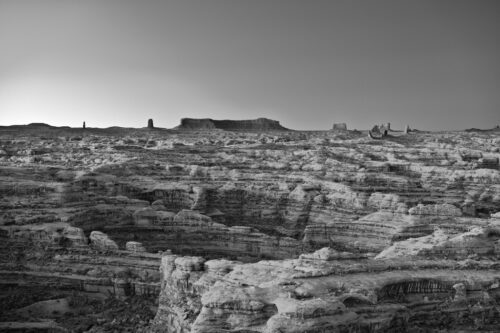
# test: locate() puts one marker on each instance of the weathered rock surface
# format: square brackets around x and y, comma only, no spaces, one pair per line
[318,295]
[258,231]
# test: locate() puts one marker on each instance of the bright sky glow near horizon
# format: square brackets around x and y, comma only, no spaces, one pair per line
[432,64]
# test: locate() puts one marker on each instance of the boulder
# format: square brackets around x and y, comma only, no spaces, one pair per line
[135,247]
[99,240]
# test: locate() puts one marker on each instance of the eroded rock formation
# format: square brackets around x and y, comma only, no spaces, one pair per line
[325,294]
[258,231]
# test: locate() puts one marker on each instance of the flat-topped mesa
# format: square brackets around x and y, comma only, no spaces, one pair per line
[339,127]
[260,124]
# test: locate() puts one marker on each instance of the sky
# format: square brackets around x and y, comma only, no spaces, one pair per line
[431,64]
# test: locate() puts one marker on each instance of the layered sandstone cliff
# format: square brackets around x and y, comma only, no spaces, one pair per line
[326,292]
[248,231]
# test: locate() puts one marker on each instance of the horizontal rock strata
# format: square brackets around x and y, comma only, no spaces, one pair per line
[313,295]
[246,227]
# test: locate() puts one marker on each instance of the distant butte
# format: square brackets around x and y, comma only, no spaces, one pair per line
[260,124]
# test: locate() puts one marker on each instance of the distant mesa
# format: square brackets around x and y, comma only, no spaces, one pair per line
[260,124]
[38,125]
[150,123]
[494,129]
[339,127]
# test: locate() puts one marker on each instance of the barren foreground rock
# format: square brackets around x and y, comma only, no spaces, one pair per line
[209,230]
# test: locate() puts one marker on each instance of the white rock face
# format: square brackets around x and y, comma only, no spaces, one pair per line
[135,247]
[435,210]
[101,241]
[75,236]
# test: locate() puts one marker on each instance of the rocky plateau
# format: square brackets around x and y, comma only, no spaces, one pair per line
[245,226]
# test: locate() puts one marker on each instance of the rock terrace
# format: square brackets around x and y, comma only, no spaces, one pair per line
[236,229]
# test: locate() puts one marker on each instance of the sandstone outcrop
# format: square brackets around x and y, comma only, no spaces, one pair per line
[313,295]
[248,230]
[101,241]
